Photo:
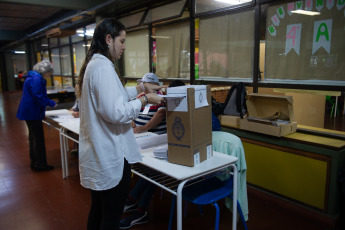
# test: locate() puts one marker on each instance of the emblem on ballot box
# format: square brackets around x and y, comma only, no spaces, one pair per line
[200,97]
[178,129]
[177,101]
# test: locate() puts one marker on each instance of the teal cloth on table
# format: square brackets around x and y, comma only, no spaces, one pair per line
[230,144]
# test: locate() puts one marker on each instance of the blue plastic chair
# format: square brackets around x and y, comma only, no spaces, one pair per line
[208,191]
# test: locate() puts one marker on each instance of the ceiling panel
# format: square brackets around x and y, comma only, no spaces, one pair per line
[19,21]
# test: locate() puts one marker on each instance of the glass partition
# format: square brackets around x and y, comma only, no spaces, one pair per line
[78,56]
[53,42]
[55,59]
[136,55]
[132,20]
[226,47]
[202,6]
[171,10]
[78,36]
[64,41]
[89,30]
[66,67]
[173,50]
[304,43]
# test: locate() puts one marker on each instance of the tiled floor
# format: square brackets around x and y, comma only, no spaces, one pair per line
[44,201]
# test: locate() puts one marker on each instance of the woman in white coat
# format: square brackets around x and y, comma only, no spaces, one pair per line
[106,141]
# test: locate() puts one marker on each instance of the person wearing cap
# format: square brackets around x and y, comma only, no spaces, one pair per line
[151,117]
[143,188]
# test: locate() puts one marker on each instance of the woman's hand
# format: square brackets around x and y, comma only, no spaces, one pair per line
[133,124]
[152,88]
[154,98]
[139,129]
[75,114]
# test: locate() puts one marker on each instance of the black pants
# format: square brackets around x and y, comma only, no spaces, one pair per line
[37,145]
[107,206]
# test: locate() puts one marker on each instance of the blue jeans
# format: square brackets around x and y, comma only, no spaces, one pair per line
[146,190]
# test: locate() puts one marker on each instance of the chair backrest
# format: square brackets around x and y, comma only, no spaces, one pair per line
[229,144]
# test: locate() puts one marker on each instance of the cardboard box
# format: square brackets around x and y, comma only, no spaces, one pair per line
[230,120]
[262,106]
[189,124]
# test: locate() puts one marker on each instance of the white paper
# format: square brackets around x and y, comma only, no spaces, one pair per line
[144,134]
[209,151]
[152,141]
[196,159]
[177,97]
[161,152]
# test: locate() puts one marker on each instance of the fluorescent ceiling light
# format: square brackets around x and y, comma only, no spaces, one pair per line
[153,36]
[305,12]
[44,45]
[19,52]
[234,2]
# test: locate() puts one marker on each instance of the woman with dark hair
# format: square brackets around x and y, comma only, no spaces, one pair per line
[32,109]
[106,141]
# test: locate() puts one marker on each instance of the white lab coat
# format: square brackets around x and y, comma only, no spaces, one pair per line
[106,136]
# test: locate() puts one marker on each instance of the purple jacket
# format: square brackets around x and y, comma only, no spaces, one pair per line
[34,100]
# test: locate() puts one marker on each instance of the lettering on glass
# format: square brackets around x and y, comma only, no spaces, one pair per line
[281,12]
[322,35]
[275,20]
[272,30]
[290,8]
[293,38]
[340,4]
[308,5]
[329,4]
[299,5]
[319,4]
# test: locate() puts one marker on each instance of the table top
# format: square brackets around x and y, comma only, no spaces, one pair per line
[60,89]
[181,172]
[178,172]
[71,125]
[62,116]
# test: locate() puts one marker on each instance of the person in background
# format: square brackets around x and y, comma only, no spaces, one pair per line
[75,114]
[140,196]
[20,80]
[152,117]
[106,141]
[32,109]
[75,107]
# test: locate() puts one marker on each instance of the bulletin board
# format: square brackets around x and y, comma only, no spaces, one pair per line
[306,47]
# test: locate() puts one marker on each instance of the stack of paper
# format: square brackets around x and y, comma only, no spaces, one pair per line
[161,152]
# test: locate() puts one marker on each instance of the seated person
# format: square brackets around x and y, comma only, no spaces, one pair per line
[152,120]
[152,117]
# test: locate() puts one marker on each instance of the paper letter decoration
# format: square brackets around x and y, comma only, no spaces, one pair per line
[308,5]
[322,35]
[340,4]
[319,4]
[329,4]
[281,12]
[299,5]
[293,38]
[290,7]
[275,20]
[272,30]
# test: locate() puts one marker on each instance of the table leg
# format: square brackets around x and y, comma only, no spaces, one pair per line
[65,154]
[179,204]
[234,201]
[62,146]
